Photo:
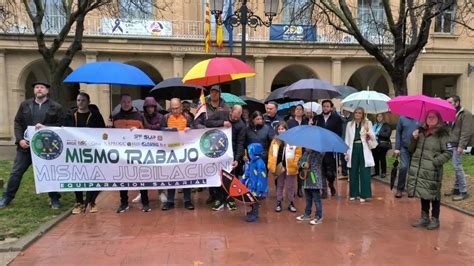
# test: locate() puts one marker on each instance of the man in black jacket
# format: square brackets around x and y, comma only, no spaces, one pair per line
[84,115]
[331,121]
[39,112]
[230,119]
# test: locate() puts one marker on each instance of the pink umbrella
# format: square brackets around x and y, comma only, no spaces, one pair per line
[417,106]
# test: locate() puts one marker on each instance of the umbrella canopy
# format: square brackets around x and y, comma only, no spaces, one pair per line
[137,104]
[236,189]
[112,73]
[373,102]
[253,104]
[289,104]
[315,138]
[217,70]
[232,99]
[345,91]
[311,89]
[277,96]
[174,88]
[313,106]
[418,106]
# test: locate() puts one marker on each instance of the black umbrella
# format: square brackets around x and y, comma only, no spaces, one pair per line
[174,88]
[393,173]
[311,89]
[345,91]
[137,104]
[277,96]
[253,104]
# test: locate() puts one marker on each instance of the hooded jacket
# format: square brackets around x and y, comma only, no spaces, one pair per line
[153,121]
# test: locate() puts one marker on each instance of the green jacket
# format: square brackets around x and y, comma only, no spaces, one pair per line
[462,129]
[429,154]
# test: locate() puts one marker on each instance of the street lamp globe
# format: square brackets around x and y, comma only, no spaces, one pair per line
[271,8]
[216,6]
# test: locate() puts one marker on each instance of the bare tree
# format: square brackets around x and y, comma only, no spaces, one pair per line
[394,32]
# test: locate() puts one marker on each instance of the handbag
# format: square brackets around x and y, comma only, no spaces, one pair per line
[372,142]
[280,169]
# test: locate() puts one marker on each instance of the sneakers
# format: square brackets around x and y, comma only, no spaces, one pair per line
[231,205]
[188,205]
[291,207]
[452,192]
[123,208]
[146,208]
[316,220]
[137,199]
[167,206]
[352,199]
[55,204]
[362,200]
[163,197]
[93,208]
[278,207]
[78,208]
[433,224]
[461,196]
[303,217]
[218,205]
[4,202]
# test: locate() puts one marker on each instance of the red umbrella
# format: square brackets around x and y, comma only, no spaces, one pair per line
[418,106]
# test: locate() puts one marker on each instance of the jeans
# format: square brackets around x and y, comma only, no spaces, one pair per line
[404,164]
[20,165]
[186,194]
[313,195]
[287,181]
[435,207]
[461,183]
[124,197]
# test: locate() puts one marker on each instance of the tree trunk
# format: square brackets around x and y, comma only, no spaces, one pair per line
[399,83]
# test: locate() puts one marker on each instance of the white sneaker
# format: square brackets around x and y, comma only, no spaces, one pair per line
[316,220]
[352,199]
[362,200]
[303,218]
[163,197]
[137,199]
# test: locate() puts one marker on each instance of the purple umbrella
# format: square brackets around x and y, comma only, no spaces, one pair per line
[311,89]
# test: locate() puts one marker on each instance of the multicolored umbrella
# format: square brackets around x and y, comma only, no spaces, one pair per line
[373,102]
[418,106]
[236,189]
[217,70]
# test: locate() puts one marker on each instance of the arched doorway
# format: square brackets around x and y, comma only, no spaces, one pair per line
[371,77]
[137,92]
[38,70]
[291,74]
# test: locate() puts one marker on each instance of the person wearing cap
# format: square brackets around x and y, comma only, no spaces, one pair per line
[214,106]
[39,111]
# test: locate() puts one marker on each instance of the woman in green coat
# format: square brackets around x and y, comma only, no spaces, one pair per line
[430,150]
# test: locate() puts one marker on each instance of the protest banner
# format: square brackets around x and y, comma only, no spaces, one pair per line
[86,159]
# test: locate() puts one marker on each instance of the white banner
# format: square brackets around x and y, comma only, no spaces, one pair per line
[136,27]
[82,159]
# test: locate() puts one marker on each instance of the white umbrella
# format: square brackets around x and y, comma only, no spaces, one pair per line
[313,106]
[373,102]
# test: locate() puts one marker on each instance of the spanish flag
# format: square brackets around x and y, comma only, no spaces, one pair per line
[201,105]
[219,36]
[207,40]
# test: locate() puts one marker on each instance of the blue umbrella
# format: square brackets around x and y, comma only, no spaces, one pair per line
[112,73]
[314,138]
[284,106]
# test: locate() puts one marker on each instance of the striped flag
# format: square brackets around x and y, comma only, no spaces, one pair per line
[219,35]
[207,40]
[201,105]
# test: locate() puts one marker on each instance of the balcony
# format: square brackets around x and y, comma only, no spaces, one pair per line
[179,30]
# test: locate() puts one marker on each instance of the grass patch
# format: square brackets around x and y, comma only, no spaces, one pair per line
[448,182]
[29,210]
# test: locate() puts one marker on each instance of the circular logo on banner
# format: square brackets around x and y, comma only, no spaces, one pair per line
[214,143]
[47,145]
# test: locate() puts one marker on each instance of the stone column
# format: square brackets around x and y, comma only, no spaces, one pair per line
[336,71]
[4,117]
[260,90]
[178,65]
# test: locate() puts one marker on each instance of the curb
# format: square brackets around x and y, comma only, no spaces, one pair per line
[456,208]
[29,239]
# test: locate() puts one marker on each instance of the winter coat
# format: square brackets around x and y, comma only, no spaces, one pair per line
[383,136]
[405,128]
[462,128]
[313,178]
[153,121]
[334,123]
[272,121]
[129,119]
[350,134]
[200,121]
[291,155]
[263,135]
[24,117]
[255,174]
[428,155]
[164,121]
[95,119]
[293,123]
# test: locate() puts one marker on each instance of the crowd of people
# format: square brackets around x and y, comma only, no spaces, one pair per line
[423,147]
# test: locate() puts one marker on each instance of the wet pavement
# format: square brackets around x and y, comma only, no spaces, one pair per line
[373,233]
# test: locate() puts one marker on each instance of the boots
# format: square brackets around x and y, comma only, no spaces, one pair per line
[434,224]
[423,221]
[252,216]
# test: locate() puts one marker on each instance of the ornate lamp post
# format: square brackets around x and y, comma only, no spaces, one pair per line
[245,17]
